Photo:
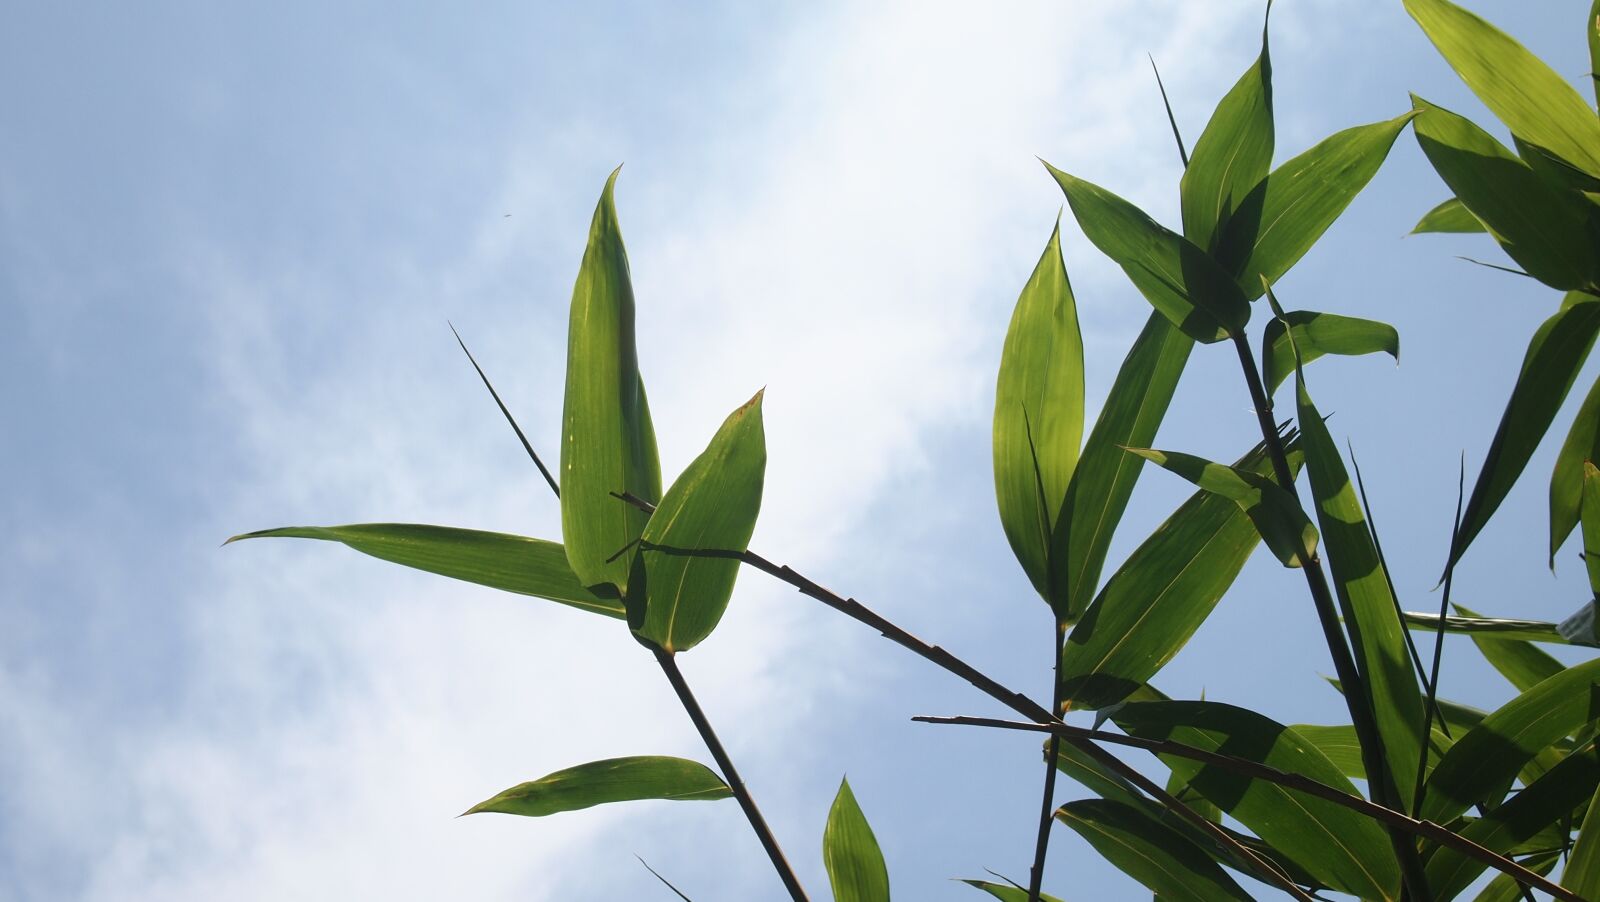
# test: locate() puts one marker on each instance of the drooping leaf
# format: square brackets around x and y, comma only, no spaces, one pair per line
[1316,334]
[1365,599]
[1176,277]
[1533,100]
[1342,848]
[1554,356]
[1544,803]
[1007,892]
[1232,155]
[1156,600]
[1276,514]
[612,780]
[1285,215]
[607,440]
[1543,228]
[1150,852]
[1566,481]
[850,852]
[1450,216]
[1105,476]
[497,560]
[1523,665]
[1494,751]
[1493,627]
[676,598]
[1038,417]
[1582,874]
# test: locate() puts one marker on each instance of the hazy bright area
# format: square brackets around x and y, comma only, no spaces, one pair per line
[230,241]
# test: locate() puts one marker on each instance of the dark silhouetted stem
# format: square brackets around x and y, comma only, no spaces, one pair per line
[1438,639]
[669,666]
[1047,808]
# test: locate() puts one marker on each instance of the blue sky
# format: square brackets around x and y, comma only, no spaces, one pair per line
[229,244]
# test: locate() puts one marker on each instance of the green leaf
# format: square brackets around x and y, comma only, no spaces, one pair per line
[511,563]
[1342,747]
[1007,892]
[1534,101]
[1158,598]
[850,852]
[1450,216]
[1554,356]
[1580,628]
[1566,482]
[1547,801]
[611,780]
[712,506]
[1492,753]
[1105,476]
[607,440]
[1286,214]
[1506,888]
[1369,607]
[1591,525]
[1543,228]
[1316,334]
[1342,848]
[1276,514]
[1592,28]
[1176,277]
[1038,417]
[1523,665]
[1149,851]
[1232,155]
[1492,627]
[1582,874]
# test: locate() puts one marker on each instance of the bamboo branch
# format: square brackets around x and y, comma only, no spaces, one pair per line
[1047,807]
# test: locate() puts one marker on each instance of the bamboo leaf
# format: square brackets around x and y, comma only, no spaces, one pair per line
[1592,29]
[1368,605]
[1232,156]
[712,506]
[1342,747]
[497,560]
[1340,847]
[611,780]
[1492,627]
[1038,417]
[607,440]
[1566,482]
[1523,665]
[1506,888]
[1580,627]
[1156,600]
[1591,527]
[1286,214]
[1276,514]
[1149,852]
[1544,803]
[1533,100]
[1555,355]
[1450,216]
[1315,334]
[1176,277]
[850,852]
[1491,754]
[1105,476]
[1007,892]
[1545,229]
[1582,874]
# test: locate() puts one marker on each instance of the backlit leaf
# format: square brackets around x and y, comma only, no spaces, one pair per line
[1523,665]
[1276,514]
[1450,216]
[1232,155]
[850,852]
[1006,892]
[1582,874]
[1591,525]
[1316,334]
[1150,852]
[611,780]
[1492,627]
[1566,482]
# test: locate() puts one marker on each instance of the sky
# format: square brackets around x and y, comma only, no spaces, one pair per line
[230,243]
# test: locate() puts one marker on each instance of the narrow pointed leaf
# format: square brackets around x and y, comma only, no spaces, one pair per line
[1555,354]
[1545,803]
[1592,28]
[711,507]
[1342,848]
[1342,747]
[1365,599]
[1176,277]
[1156,600]
[850,852]
[1105,476]
[1566,482]
[607,441]
[1582,874]
[1545,229]
[497,560]
[1522,664]
[1276,514]
[1286,214]
[1150,852]
[1494,751]
[1038,417]
[1491,627]
[1232,155]
[1007,892]
[1533,100]
[1316,334]
[1506,888]
[1450,216]
[1591,525]
[611,780]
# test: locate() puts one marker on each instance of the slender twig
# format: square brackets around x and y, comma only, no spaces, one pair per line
[526,446]
[1438,634]
[1256,770]
[669,666]
[1047,806]
[1357,693]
